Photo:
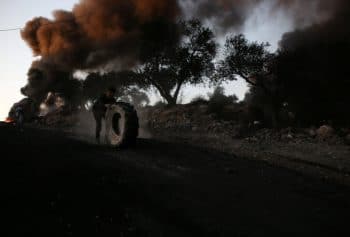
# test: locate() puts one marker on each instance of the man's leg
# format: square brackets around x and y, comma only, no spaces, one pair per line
[98,119]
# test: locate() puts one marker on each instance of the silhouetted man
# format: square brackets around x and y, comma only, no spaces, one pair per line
[100,107]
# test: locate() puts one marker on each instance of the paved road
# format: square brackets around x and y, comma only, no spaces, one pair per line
[56,186]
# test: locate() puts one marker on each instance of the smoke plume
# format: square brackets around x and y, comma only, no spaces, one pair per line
[333,30]
[91,35]
[95,31]
[313,68]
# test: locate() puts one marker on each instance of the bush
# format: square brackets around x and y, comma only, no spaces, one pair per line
[160,104]
[218,101]
[199,99]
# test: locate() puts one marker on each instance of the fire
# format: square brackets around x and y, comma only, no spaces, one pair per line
[9,120]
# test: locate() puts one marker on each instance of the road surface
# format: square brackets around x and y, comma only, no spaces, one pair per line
[52,185]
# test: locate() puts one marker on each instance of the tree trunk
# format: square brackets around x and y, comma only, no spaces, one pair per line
[166,95]
[171,100]
[177,91]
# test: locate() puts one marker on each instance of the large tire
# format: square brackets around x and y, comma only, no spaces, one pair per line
[122,125]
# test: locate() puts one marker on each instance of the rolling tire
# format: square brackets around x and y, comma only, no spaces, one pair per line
[122,125]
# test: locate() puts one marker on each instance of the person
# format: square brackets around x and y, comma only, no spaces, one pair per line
[99,109]
[19,117]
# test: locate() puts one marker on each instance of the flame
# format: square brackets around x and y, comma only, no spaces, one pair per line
[9,120]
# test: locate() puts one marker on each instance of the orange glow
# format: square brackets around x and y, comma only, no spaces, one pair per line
[9,120]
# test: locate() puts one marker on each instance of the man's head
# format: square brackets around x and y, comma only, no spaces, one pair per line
[110,92]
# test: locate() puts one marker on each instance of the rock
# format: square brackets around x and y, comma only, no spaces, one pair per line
[324,132]
[311,132]
[253,139]
[287,137]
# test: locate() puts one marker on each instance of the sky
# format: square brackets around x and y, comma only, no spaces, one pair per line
[16,57]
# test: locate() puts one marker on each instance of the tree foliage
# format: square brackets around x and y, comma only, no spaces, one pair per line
[187,57]
[136,97]
[254,63]
[248,60]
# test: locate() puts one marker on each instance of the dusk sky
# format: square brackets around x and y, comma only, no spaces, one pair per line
[16,56]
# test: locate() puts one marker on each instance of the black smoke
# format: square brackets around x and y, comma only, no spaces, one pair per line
[313,67]
[93,34]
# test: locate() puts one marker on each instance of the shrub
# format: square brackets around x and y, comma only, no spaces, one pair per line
[218,101]
[199,99]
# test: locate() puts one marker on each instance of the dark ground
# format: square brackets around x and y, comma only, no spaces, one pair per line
[56,186]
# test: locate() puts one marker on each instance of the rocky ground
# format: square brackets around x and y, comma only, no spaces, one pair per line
[321,151]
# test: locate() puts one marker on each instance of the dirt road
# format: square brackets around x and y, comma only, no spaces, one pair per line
[57,186]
